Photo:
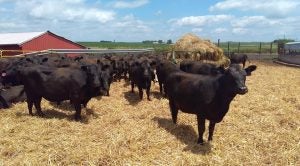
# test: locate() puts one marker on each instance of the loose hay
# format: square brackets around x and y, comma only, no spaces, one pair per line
[193,47]
[261,128]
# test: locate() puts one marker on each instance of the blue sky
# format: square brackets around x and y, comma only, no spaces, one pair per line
[137,20]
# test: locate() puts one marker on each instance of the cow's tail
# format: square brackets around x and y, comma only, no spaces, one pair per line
[5,103]
[248,59]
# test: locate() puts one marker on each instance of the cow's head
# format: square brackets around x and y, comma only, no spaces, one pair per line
[105,81]
[236,77]
[11,76]
[145,66]
[92,75]
[147,73]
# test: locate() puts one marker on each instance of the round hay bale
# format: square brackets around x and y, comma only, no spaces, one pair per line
[195,48]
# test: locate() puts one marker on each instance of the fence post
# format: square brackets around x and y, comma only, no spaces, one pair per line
[239,47]
[271,48]
[218,42]
[259,48]
[228,49]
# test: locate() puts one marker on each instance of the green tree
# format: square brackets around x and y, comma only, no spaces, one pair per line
[283,41]
[169,41]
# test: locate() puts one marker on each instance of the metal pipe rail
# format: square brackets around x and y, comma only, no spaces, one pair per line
[77,51]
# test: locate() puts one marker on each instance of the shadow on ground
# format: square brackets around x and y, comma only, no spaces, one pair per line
[132,98]
[56,114]
[156,95]
[185,134]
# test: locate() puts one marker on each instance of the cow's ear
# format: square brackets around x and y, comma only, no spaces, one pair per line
[3,74]
[45,60]
[219,70]
[78,58]
[29,60]
[250,69]
[104,67]
[84,68]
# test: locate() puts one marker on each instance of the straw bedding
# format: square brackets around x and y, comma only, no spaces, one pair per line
[261,128]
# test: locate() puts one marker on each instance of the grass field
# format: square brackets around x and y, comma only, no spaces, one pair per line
[262,127]
[245,47]
[125,45]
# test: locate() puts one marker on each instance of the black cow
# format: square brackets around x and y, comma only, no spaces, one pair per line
[118,67]
[140,74]
[105,78]
[206,96]
[163,70]
[11,94]
[239,58]
[58,84]
[200,68]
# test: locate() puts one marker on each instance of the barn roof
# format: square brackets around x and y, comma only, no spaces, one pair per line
[21,38]
[18,38]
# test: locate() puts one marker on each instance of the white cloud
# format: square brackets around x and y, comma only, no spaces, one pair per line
[255,21]
[220,30]
[241,28]
[8,25]
[67,10]
[196,30]
[201,20]
[3,10]
[130,4]
[158,13]
[272,8]
[130,23]
[84,20]
[239,31]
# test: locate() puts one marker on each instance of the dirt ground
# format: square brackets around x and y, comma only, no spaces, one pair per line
[261,128]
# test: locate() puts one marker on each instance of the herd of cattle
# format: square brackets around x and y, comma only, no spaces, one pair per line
[192,87]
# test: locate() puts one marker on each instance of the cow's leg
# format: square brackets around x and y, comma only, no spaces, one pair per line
[165,90]
[37,105]
[174,110]
[141,92]
[244,63]
[5,103]
[132,87]
[211,129]
[119,76]
[148,93]
[201,128]
[30,105]
[84,103]
[77,106]
[160,87]
[125,75]
[107,93]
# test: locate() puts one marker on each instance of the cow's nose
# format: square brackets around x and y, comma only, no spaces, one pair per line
[97,83]
[243,90]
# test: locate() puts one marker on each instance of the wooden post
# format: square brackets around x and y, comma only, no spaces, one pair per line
[239,45]
[259,48]
[271,48]
[218,42]
[228,50]
[173,56]
[0,53]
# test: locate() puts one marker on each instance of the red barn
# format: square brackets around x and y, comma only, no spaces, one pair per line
[18,43]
